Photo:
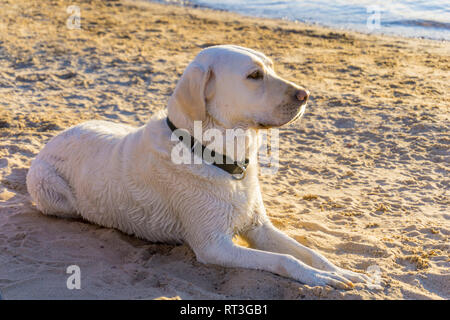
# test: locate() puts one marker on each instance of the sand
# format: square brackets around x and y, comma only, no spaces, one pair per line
[363,178]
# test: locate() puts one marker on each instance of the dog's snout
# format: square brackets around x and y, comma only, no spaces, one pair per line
[302,95]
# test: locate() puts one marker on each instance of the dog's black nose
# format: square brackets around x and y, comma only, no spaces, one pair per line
[302,95]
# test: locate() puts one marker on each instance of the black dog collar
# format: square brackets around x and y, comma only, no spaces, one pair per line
[228,165]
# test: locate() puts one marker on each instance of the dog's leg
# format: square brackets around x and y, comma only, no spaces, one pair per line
[267,237]
[224,252]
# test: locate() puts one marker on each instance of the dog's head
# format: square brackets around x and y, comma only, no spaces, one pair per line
[237,87]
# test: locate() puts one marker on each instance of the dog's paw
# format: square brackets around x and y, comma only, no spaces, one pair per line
[353,276]
[359,278]
[333,279]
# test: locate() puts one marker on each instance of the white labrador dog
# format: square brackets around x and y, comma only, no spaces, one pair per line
[123,177]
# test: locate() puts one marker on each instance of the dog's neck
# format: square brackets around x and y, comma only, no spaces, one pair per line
[201,129]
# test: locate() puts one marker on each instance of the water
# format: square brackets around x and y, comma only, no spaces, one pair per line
[410,18]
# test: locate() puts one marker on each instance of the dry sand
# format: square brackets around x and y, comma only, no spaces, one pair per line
[363,178]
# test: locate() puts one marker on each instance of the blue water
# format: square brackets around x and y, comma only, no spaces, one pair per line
[409,18]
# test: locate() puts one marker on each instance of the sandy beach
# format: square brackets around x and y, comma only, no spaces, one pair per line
[364,176]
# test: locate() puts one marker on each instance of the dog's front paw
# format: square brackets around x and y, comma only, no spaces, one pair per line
[353,276]
[332,279]
[356,277]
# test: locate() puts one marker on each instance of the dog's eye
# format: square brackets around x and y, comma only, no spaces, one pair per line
[255,75]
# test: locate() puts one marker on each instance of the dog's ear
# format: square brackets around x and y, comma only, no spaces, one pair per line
[190,92]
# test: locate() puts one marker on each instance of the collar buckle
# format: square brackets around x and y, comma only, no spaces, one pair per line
[240,176]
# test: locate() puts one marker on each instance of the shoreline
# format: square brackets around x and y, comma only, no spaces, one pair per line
[305,23]
[362,177]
